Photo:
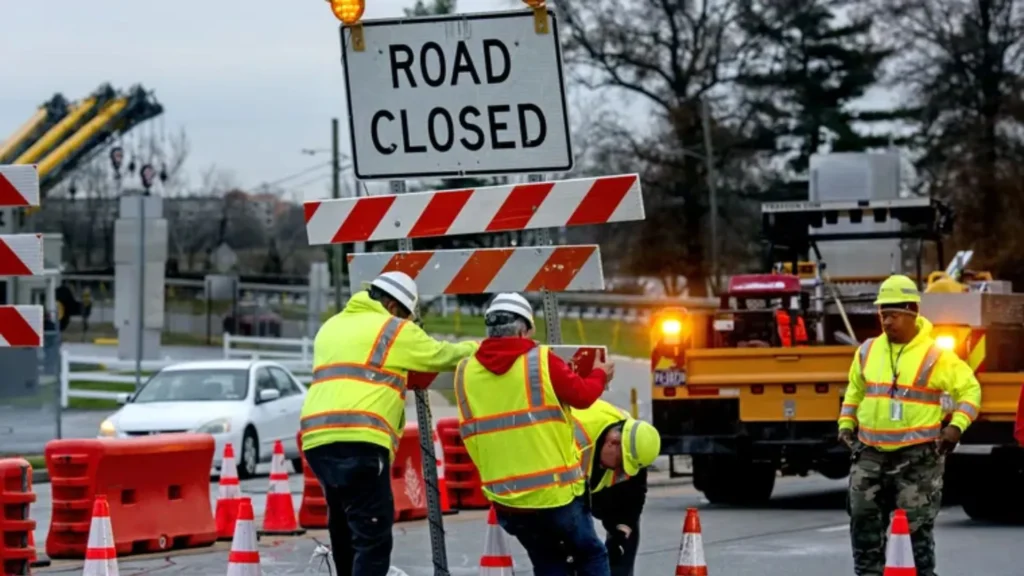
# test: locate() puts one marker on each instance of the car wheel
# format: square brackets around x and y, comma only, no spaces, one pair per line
[297,465]
[250,454]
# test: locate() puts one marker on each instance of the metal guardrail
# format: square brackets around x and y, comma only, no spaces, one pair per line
[103,369]
[592,298]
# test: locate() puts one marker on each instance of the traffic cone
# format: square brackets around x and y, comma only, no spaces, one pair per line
[100,554]
[244,557]
[279,515]
[899,553]
[496,559]
[228,493]
[442,484]
[691,550]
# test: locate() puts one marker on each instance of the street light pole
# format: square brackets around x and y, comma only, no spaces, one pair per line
[339,249]
[709,161]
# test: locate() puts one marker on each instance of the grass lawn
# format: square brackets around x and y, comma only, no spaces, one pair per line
[623,338]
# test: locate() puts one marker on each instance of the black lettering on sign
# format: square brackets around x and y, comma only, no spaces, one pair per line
[474,128]
[449,129]
[3,218]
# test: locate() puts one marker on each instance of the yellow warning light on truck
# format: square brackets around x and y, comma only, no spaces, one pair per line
[671,328]
[946,342]
[348,11]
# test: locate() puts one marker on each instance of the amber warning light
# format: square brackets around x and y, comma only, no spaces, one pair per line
[671,328]
[946,342]
[348,11]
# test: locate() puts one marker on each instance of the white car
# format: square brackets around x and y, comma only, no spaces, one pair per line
[249,403]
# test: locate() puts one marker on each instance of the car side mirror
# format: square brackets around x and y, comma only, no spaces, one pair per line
[268,394]
[123,398]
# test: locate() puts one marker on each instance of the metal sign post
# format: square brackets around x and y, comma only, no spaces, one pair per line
[425,422]
[552,322]
[455,96]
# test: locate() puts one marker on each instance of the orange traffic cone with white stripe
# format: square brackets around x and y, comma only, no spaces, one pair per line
[497,558]
[899,553]
[442,484]
[100,554]
[228,493]
[244,557]
[279,515]
[691,550]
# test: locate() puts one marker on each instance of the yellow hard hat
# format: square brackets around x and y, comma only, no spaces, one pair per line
[945,286]
[641,445]
[898,289]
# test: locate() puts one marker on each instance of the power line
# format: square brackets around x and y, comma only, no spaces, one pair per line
[299,174]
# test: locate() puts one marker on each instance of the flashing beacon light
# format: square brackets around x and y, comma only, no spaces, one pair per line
[946,342]
[348,11]
[671,329]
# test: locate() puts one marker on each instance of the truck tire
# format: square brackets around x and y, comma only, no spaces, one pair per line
[732,481]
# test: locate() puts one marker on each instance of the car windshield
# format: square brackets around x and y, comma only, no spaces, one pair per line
[225,385]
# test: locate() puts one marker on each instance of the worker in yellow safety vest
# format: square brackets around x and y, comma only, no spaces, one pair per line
[513,398]
[615,451]
[894,401]
[354,413]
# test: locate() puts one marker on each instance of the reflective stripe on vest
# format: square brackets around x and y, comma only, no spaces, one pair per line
[536,414]
[584,443]
[346,419]
[534,481]
[909,436]
[371,373]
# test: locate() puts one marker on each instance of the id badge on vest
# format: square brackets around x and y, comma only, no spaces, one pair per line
[895,410]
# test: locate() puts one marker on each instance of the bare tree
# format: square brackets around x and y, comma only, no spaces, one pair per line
[962,67]
[663,60]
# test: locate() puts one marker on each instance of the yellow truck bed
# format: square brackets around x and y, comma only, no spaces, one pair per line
[818,378]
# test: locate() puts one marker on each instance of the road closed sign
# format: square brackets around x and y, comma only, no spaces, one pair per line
[470,94]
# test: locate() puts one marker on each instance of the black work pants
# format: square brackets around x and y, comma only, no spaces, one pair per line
[356,479]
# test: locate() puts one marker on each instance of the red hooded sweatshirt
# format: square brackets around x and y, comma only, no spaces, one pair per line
[499,354]
[1018,429]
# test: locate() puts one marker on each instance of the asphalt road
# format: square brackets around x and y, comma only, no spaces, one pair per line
[803,530]
[84,424]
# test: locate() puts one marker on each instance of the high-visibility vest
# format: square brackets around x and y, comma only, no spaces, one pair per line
[921,405]
[353,396]
[783,320]
[588,425]
[518,434]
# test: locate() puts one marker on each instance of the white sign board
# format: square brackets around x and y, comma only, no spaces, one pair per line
[468,94]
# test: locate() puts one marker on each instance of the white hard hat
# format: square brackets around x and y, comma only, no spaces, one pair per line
[399,286]
[514,303]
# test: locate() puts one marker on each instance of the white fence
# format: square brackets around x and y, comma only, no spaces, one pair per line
[292,353]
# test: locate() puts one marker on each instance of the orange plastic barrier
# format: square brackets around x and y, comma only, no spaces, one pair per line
[16,550]
[158,488]
[410,492]
[463,478]
[313,509]
[407,477]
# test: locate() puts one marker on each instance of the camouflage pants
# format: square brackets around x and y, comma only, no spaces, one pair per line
[881,482]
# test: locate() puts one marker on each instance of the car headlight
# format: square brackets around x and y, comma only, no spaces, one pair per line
[107,429]
[221,426]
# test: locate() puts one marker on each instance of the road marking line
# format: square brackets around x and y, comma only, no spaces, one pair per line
[836,528]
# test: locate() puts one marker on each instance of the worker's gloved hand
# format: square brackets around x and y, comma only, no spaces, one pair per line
[949,439]
[617,542]
[846,437]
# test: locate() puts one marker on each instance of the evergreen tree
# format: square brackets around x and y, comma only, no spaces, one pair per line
[815,60]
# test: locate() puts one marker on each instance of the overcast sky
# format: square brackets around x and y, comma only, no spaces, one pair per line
[252,82]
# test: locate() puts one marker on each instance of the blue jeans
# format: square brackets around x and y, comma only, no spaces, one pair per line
[552,535]
[356,479]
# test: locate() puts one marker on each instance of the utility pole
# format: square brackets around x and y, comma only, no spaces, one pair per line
[709,160]
[339,249]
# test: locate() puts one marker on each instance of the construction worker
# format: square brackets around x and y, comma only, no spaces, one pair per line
[893,399]
[513,397]
[354,413]
[615,451]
